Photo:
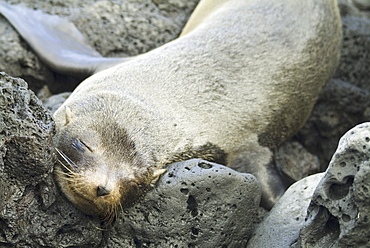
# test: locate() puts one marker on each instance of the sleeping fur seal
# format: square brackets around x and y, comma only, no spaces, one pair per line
[242,77]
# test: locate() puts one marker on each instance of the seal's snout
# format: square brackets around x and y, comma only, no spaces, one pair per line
[102,191]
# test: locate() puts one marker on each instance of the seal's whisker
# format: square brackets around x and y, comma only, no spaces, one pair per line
[66,174]
[116,213]
[74,178]
[68,160]
[78,181]
[66,167]
[70,171]
[67,178]
[120,207]
[105,216]
[74,181]
[113,215]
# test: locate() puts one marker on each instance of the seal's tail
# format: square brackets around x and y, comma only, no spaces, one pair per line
[56,41]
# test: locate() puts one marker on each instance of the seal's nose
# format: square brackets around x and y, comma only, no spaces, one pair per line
[102,191]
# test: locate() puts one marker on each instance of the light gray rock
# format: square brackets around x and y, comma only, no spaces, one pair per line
[195,204]
[338,215]
[54,102]
[329,209]
[282,225]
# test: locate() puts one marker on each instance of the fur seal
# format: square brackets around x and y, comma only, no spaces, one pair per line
[242,77]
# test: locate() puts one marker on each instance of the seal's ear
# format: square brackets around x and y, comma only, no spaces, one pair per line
[68,115]
[156,174]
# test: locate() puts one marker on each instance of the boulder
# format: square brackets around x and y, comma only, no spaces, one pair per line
[32,212]
[195,204]
[282,224]
[327,209]
[339,213]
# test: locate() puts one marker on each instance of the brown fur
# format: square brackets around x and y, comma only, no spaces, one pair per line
[243,77]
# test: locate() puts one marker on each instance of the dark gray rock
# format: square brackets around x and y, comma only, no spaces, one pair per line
[195,204]
[354,7]
[341,105]
[113,28]
[295,161]
[338,215]
[354,62]
[25,127]
[344,103]
[32,213]
[17,60]
[362,4]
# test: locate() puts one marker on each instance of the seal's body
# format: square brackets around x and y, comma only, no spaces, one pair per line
[241,78]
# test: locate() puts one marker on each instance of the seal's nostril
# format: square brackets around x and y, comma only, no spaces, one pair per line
[102,191]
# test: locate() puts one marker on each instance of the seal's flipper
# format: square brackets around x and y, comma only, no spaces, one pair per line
[274,183]
[260,162]
[56,41]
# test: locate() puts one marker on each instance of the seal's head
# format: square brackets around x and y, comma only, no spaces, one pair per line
[100,168]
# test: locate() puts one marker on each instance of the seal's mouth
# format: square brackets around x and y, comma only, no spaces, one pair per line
[100,188]
[89,192]
[106,207]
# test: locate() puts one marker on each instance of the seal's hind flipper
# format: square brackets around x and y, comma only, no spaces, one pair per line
[56,41]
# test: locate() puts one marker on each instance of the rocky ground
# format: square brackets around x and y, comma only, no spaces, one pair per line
[34,214]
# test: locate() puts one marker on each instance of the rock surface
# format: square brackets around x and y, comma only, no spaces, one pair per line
[295,161]
[282,224]
[54,102]
[32,213]
[195,204]
[339,213]
[329,209]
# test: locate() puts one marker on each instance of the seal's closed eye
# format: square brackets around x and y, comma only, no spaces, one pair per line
[80,145]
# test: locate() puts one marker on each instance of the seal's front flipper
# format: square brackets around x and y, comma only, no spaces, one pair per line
[56,41]
[260,162]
